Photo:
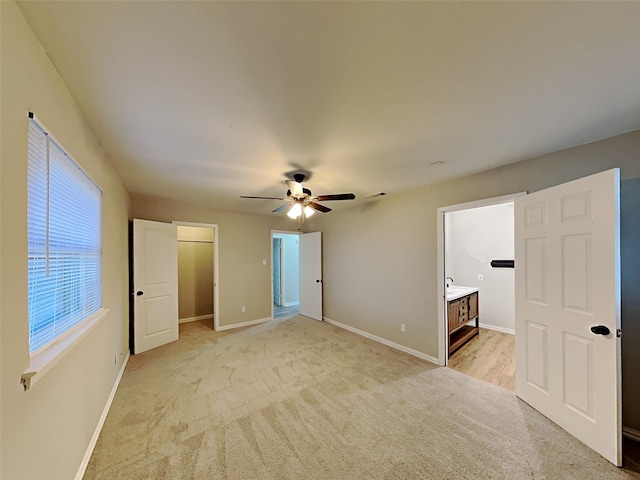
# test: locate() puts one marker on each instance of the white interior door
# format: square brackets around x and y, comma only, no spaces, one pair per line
[155,280]
[567,283]
[311,275]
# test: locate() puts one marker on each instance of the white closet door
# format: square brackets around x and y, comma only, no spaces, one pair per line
[155,280]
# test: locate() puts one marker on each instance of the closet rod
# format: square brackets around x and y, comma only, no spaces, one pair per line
[197,241]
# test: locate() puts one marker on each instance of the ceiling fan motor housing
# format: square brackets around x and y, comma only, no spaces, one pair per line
[305,193]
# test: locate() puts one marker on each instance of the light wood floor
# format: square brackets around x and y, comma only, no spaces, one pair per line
[489,356]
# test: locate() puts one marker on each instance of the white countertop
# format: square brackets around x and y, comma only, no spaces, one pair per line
[458,291]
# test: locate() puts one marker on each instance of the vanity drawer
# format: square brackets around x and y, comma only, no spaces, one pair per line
[464,304]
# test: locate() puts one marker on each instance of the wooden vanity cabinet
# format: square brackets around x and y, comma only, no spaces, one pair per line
[460,311]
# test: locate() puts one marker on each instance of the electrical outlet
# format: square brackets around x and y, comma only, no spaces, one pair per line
[264,261]
[244,309]
[480,277]
[402,327]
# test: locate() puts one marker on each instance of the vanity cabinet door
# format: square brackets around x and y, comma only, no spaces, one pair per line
[473,306]
[454,310]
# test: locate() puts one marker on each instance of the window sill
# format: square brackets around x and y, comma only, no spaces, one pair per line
[44,360]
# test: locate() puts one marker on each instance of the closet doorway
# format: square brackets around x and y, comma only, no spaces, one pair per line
[285,274]
[197,272]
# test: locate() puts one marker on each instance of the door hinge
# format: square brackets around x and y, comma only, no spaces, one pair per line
[618,332]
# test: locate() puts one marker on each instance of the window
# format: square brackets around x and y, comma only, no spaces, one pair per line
[65,241]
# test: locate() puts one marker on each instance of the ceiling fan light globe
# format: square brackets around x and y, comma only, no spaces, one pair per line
[308,211]
[295,211]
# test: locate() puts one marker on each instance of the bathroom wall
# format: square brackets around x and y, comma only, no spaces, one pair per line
[474,238]
[195,273]
[290,269]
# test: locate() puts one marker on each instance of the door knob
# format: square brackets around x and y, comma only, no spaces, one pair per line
[318,281]
[139,292]
[600,330]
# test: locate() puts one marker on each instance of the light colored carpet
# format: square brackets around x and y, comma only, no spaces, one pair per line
[300,399]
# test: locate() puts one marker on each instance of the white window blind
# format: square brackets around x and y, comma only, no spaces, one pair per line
[65,241]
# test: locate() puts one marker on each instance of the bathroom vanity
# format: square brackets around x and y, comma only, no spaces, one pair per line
[462,309]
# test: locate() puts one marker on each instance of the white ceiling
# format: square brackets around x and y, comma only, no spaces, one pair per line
[206,101]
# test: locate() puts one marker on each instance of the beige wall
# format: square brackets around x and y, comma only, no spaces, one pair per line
[244,241]
[46,430]
[195,272]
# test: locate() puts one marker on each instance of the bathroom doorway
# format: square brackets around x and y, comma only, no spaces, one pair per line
[477,255]
[286,274]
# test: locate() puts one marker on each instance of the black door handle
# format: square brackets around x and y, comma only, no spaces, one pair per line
[600,330]
[139,292]
[318,281]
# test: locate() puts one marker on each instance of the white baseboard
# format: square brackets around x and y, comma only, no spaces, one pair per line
[103,417]
[244,324]
[195,319]
[384,341]
[631,433]
[291,304]
[498,329]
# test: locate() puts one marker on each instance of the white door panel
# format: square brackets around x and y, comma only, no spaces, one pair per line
[155,279]
[311,275]
[567,281]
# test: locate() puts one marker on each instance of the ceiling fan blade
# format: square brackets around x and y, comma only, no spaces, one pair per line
[295,187]
[336,196]
[318,207]
[263,198]
[279,209]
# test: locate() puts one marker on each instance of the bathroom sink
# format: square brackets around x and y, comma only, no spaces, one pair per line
[458,291]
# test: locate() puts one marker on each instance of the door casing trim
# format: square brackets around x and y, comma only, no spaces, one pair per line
[216,277]
[443,338]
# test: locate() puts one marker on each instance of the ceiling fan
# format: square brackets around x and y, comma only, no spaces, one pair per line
[301,203]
